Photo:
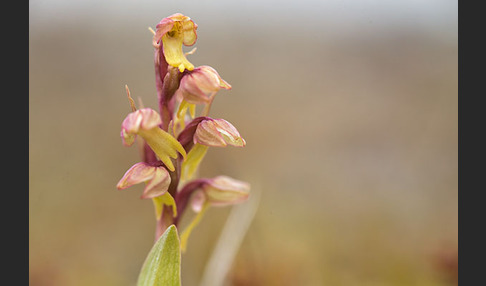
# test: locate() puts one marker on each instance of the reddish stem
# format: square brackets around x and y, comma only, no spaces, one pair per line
[164,222]
[167,80]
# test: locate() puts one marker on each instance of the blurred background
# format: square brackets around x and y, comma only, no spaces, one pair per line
[348,108]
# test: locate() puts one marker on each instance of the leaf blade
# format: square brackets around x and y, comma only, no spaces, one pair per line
[163,263]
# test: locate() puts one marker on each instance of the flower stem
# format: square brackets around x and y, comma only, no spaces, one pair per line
[165,220]
[166,104]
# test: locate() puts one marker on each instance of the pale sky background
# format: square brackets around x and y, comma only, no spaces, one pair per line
[435,15]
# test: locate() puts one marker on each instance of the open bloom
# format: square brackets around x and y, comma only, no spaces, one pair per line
[157,179]
[199,85]
[145,122]
[174,31]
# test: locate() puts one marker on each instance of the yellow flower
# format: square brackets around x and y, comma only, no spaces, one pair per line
[174,31]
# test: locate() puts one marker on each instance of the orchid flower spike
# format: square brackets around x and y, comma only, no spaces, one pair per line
[157,179]
[174,31]
[145,122]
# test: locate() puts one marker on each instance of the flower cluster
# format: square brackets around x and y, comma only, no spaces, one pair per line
[175,142]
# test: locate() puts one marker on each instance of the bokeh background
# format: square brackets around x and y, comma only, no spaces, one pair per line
[349,110]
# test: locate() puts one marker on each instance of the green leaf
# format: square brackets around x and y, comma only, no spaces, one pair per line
[163,263]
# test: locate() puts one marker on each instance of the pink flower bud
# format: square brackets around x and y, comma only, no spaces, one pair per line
[145,119]
[220,191]
[157,179]
[197,86]
[218,133]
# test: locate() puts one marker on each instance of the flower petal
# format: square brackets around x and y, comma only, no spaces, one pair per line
[189,29]
[138,173]
[172,47]
[194,158]
[208,134]
[164,145]
[145,118]
[199,85]
[197,201]
[218,133]
[165,200]
[223,190]
[229,133]
[161,29]
[127,138]
[158,185]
